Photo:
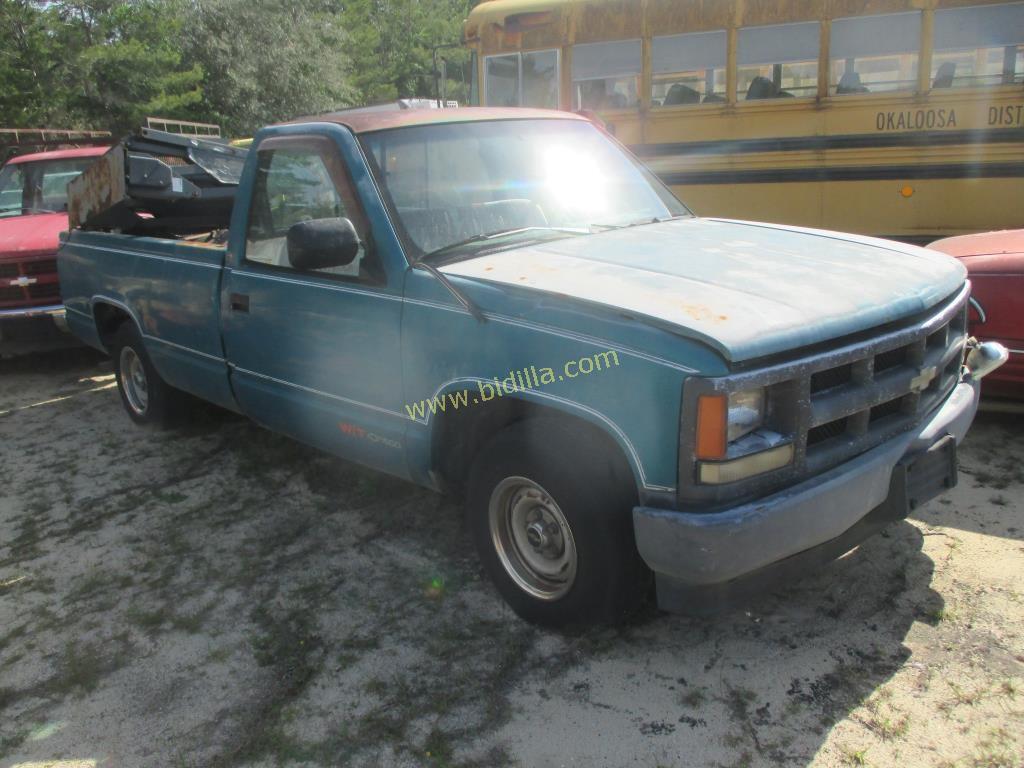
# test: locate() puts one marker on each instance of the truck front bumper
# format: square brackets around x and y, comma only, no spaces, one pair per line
[701,560]
[29,328]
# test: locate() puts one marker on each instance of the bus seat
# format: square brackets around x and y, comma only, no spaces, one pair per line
[714,98]
[681,94]
[617,100]
[850,83]
[944,75]
[762,88]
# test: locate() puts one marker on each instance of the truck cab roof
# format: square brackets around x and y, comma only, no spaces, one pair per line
[360,121]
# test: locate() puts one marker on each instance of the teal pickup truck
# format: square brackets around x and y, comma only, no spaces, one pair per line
[504,304]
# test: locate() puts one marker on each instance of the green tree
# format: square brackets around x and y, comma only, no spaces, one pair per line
[269,61]
[394,43]
[94,64]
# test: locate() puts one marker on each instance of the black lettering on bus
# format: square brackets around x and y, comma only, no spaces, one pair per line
[952,119]
[1009,115]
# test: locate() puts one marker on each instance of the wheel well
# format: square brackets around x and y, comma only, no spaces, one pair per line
[108,319]
[461,434]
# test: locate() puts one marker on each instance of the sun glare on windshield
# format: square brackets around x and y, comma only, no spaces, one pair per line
[576,181]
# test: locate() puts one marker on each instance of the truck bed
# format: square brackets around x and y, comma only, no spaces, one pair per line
[171,287]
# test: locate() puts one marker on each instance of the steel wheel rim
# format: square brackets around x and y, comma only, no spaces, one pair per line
[133,380]
[532,538]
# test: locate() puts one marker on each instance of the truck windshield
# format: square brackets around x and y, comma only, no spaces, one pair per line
[37,187]
[451,186]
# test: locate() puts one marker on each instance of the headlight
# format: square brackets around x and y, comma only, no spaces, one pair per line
[723,419]
[732,441]
[746,413]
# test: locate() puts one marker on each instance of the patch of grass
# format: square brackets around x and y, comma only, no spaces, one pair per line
[938,615]
[169,497]
[996,750]
[965,697]
[11,741]
[694,697]
[80,669]
[289,646]
[894,727]
[149,620]
[437,748]
[852,756]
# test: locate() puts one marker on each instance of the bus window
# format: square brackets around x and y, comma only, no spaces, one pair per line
[978,46]
[501,78]
[522,79]
[875,53]
[688,69]
[474,81]
[540,79]
[778,61]
[606,75]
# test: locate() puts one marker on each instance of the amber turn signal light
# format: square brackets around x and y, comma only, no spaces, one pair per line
[712,426]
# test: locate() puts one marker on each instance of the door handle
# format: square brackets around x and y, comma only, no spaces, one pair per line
[239,302]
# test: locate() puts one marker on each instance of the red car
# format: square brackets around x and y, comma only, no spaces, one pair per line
[33,213]
[995,262]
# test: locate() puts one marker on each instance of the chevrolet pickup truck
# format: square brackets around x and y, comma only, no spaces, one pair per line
[33,203]
[505,304]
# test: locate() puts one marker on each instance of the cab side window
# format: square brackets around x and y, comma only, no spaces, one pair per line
[302,182]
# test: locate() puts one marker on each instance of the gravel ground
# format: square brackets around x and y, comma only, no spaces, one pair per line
[222,596]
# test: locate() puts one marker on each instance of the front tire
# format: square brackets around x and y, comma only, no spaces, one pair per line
[146,397]
[551,515]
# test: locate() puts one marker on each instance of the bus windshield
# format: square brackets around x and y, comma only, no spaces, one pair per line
[37,187]
[462,182]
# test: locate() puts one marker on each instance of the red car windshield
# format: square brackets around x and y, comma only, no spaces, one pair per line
[39,186]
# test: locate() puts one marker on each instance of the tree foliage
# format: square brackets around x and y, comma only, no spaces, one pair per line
[93,62]
[109,63]
[394,44]
[269,61]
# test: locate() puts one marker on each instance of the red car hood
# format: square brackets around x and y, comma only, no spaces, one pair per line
[33,235]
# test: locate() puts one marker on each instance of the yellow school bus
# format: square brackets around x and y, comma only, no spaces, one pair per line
[900,118]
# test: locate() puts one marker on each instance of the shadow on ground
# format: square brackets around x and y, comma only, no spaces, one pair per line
[223,596]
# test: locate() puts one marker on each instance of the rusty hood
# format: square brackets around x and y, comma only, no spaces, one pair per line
[746,289]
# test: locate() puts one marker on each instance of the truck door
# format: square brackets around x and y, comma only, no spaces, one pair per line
[314,353]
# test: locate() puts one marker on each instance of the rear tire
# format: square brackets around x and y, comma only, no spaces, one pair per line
[551,517]
[146,397]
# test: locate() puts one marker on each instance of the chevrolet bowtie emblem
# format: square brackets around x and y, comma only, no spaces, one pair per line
[920,382]
[23,281]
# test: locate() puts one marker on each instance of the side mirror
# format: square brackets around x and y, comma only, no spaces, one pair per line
[322,243]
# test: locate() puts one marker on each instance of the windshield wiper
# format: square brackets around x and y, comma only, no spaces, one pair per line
[638,223]
[491,236]
[464,300]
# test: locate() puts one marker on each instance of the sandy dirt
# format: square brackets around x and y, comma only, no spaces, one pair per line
[222,596]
